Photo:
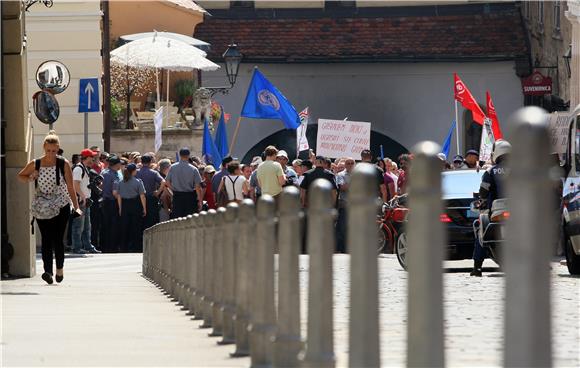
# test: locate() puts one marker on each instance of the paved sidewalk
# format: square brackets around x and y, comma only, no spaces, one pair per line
[103,314]
[106,314]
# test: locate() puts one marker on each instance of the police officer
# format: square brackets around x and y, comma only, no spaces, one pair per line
[130,194]
[185,181]
[492,188]
[154,185]
[109,228]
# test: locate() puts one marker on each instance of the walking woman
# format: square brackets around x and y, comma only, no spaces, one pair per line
[234,184]
[53,180]
[130,194]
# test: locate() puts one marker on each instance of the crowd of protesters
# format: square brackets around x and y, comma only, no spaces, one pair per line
[115,197]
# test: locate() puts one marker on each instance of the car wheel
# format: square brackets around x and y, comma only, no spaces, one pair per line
[572,260]
[401,249]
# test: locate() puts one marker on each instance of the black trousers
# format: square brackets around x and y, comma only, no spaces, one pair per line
[152,217]
[131,225]
[52,234]
[341,231]
[96,222]
[110,226]
[184,203]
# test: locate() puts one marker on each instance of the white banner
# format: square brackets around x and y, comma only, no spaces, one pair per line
[341,138]
[487,139]
[559,132]
[301,140]
[158,121]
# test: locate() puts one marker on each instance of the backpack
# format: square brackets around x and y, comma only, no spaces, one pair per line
[45,205]
[83,168]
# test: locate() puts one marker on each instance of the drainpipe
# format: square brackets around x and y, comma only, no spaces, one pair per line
[106,80]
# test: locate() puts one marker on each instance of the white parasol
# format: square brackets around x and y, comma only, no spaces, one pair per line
[175,36]
[162,53]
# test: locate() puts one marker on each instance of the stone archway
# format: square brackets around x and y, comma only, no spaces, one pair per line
[286,140]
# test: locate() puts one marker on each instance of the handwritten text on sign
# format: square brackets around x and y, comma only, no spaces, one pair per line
[340,138]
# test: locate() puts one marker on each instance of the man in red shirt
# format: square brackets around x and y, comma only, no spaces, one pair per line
[98,166]
[404,161]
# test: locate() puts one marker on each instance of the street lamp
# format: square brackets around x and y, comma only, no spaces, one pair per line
[232,59]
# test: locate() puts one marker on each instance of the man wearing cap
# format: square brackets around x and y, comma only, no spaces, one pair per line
[458,163]
[255,190]
[472,159]
[291,176]
[185,182]
[109,230]
[154,185]
[208,194]
[81,226]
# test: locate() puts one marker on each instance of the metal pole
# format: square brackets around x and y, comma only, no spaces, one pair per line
[86,135]
[457,128]
[217,274]
[244,268]
[288,342]
[320,238]
[530,231]
[263,319]
[229,267]
[427,239]
[363,204]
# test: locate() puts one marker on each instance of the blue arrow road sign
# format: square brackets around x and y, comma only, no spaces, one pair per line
[89,95]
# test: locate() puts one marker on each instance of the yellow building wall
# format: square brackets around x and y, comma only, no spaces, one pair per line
[69,32]
[129,17]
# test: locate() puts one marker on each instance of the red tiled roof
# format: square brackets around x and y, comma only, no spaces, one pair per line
[496,35]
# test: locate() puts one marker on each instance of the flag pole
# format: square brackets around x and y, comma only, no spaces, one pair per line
[235,137]
[457,127]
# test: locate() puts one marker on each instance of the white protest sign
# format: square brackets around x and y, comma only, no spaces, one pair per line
[340,138]
[559,132]
[487,140]
[158,121]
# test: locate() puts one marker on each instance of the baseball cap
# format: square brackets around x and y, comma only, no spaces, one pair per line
[457,158]
[256,161]
[321,158]
[472,152]
[442,156]
[88,153]
[131,167]
[113,160]
[209,169]
[146,159]
[366,153]
[282,153]
[184,151]
[227,160]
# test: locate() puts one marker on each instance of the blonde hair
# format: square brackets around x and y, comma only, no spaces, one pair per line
[51,138]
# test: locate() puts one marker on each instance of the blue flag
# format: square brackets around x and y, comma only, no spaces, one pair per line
[447,143]
[264,101]
[221,136]
[208,149]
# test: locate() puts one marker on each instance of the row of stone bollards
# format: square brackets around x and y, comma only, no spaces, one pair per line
[220,266]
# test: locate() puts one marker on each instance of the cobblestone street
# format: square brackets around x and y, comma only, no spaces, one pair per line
[105,294]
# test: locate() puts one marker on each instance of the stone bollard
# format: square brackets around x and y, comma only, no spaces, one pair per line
[167,258]
[192,262]
[146,235]
[364,342]
[263,318]
[530,231]
[427,241]
[187,269]
[218,245]
[200,263]
[320,244]
[229,270]
[180,260]
[288,342]
[244,270]
[209,276]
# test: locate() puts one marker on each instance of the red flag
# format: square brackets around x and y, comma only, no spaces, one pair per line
[466,100]
[493,116]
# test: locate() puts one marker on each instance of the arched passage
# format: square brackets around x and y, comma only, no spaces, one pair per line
[286,140]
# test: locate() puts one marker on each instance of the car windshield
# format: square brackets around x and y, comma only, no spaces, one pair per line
[460,183]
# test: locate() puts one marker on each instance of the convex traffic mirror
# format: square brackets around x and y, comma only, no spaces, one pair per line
[46,107]
[52,76]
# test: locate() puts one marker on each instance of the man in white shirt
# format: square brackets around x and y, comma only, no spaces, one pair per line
[81,225]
